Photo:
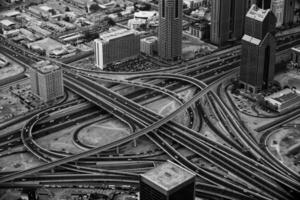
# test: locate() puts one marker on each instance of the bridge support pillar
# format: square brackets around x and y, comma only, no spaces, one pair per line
[134,143]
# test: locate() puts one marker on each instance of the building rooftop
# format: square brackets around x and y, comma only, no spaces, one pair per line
[296,49]
[257,13]
[45,67]
[45,8]
[48,44]
[10,13]
[251,39]
[286,97]
[189,1]
[7,22]
[168,175]
[150,39]
[282,96]
[113,34]
[145,14]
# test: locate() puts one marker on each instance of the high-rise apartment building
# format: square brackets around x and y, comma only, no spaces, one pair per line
[170,30]
[258,50]
[168,181]
[220,21]
[227,17]
[47,81]
[116,45]
[237,18]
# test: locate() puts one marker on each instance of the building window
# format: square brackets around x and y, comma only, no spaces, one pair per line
[176,8]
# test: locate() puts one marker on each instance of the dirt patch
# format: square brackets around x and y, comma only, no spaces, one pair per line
[104,132]
[18,162]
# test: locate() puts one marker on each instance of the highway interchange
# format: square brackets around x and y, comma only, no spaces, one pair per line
[261,175]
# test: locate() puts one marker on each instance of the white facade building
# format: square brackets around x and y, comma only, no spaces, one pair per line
[116,45]
[193,4]
[149,45]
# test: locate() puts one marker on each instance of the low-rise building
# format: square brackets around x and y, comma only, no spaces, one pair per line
[38,30]
[282,100]
[11,33]
[201,13]
[80,3]
[136,23]
[47,81]
[28,35]
[47,45]
[143,18]
[147,15]
[53,27]
[199,30]
[194,4]
[106,4]
[66,25]
[10,13]
[41,11]
[115,45]
[149,45]
[296,55]
[66,50]
[7,24]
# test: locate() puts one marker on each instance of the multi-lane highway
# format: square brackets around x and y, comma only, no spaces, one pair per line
[260,177]
[210,178]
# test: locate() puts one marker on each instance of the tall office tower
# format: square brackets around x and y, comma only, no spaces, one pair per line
[258,50]
[116,45]
[168,181]
[237,18]
[47,81]
[170,30]
[226,20]
[220,21]
[289,12]
[277,7]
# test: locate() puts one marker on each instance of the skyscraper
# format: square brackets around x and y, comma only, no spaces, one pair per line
[220,21]
[289,12]
[167,181]
[170,29]
[227,18]
[258,50]
[237,18]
